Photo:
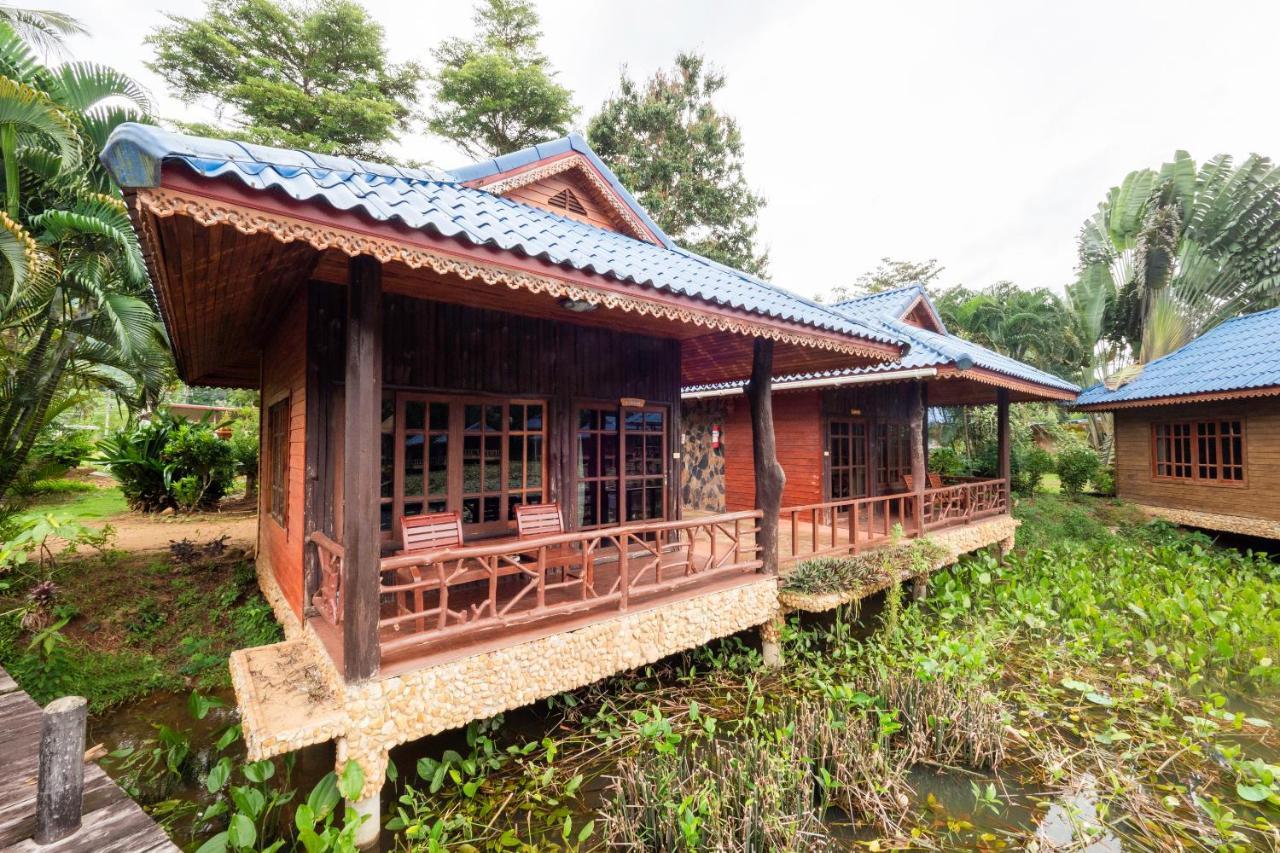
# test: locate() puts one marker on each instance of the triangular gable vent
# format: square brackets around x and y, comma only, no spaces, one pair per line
[568,201]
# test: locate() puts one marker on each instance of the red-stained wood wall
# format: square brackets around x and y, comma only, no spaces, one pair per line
[797,427]
[284,377]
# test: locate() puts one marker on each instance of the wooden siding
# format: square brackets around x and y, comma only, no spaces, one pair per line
[539,193]
[1259,497]
[800,424]
[284,375]
[435,347]
[796,426]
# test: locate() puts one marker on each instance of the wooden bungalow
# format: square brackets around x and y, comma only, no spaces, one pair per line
[853,442]
[470,388]
[1193,430]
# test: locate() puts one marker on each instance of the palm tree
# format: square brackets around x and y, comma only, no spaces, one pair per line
[1185,249]
[76,309]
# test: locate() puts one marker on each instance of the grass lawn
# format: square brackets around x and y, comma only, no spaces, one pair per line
[88,507]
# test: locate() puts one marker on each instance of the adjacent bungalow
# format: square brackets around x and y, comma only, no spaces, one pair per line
[473,439]
[1193,430]
[853,442]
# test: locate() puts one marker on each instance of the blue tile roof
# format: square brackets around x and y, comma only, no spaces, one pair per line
[928,348]
[438,202]
[1238,355]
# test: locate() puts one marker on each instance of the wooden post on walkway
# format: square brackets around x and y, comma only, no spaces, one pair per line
[363,409]
[1002,438]
[919,465]
[60,785]
[770,478]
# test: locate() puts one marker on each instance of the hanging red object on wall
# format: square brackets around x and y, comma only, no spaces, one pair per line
[715,436]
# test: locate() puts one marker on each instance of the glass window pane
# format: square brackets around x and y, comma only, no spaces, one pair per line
[653,421]
[608,502]
[515,417]
[588,494]
[471,417]
[653,454]
[515,461]
[492,463]
[653,500]
[388,414]
[384,517]
[635,455]
[634,419]
[588,419]
[470,464]
[388,467]
[609,421]
[533,451]
[635,500]
[493,418]
[471,511]
[492,508]
[438,465]
[413,508]
[436,506]
[413,464]
[609,455]
[439,415]
[414,413]
[534,417]
[588,459]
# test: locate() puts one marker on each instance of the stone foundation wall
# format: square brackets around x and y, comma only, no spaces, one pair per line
[1215,521]
[702,474]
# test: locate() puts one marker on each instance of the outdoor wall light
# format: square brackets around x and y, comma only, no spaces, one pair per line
[577,306]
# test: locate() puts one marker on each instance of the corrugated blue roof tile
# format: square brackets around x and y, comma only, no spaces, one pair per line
[1241,354]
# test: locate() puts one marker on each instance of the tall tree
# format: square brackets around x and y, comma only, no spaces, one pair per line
[312,76]
[497,93]
[891,274]
[683,159]
[76,310]
[1178,250]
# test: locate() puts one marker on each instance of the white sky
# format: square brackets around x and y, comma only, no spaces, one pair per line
[980,134]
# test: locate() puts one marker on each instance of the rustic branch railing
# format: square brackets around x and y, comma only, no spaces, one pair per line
[328,597]
[438,595]
[848,526]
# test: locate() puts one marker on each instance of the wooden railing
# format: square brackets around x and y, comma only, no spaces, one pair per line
[438,595]
[328,597]
[848,526]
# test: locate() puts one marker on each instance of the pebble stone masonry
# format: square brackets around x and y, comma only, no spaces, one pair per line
[291,695]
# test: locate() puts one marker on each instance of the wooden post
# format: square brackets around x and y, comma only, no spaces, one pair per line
[1002,437]
[770,477]
[919,465]
[361,444]
[60,786]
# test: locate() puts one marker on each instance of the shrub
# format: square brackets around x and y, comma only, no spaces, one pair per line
[1076,467]
[1036,463]
[1104,482]
[63,446]
[244,447]
[949,462]
[169,463]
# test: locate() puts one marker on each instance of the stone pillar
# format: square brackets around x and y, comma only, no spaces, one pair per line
[771,641]
[372,758]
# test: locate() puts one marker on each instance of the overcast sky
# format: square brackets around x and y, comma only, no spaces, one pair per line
[980,134]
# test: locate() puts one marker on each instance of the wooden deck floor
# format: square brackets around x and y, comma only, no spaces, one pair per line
[112,822]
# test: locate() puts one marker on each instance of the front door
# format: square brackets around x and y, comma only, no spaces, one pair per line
[847,455]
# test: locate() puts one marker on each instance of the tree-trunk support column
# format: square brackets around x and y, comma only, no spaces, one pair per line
[770,477]
[919,465]
[363,408]
[1002,439]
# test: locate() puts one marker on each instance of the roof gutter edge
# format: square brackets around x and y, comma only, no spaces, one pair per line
[827,382]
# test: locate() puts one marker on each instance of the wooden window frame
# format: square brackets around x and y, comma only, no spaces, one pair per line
[454,494]
[621,477]
[277,429]
[881,444]
[851,441]
[1194,464]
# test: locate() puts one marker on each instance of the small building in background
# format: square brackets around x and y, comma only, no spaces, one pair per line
[1197,432]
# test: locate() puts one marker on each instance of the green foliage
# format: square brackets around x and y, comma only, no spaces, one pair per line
[1036,462]
[949,462]
[683,160]
[311,76]
[847,574]
[76,309]
[890,275]
[66,448]
[244,446]
[497,93]
[1104,482]
[1076,467]
[167,462]
[61,487]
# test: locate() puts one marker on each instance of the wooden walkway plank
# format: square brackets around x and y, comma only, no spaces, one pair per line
[112,823]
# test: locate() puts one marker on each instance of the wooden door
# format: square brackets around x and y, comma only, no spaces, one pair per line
[847,459]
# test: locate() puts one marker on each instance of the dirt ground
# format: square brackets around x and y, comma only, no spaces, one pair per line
[137,532]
